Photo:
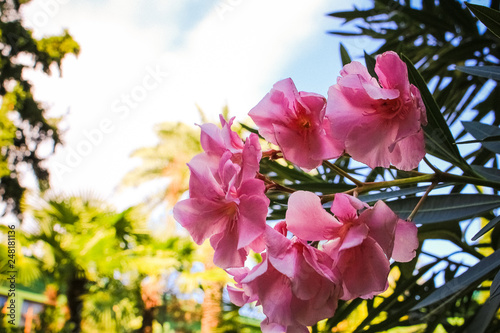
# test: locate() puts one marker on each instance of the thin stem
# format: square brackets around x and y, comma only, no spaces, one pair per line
[421,202]
[341,172]
[436,170]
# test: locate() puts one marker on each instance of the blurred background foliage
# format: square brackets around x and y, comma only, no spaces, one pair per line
[102,270]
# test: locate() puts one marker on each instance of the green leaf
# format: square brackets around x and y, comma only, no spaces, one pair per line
[484,133]
[438,138]
[344,55]
[488,16]
[483,318]
[288,172]
[398,193]
[472,277]
[492,174]
[250,129]
[489,72]
[370,65]
[486,228]
[446,230]
[324,188]
[449,207]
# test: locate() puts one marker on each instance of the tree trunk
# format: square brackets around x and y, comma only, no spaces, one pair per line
[211,308]
[77,287]
[147,320]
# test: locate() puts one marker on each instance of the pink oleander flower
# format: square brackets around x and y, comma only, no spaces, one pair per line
[216,141]
[378,121]
[360,239]
[295,121]
[294,284]
[226,202]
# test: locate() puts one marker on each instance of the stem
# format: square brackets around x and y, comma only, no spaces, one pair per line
[448,177]
[342,173]
[421,202]
[271,185]
[436,170]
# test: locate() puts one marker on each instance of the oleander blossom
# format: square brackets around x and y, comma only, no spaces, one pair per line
[360,239]
[295,284]
[378,121]
[226,204]
[295,121]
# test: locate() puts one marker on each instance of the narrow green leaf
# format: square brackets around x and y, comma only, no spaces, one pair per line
[488,16]
[492,174]
[483,132]
[370,65]
[489,72]
[446,230]
[449,207]
[438,138]
[472,276]
[486,228]
[483,318]
[398,193]
[344,55]
[325,188]
[287,172]
[250,129]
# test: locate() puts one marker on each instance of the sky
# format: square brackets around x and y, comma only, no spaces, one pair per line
[145,62]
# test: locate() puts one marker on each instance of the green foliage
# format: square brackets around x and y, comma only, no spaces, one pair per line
[23,123]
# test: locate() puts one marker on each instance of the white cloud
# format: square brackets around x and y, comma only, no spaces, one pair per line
[233,59]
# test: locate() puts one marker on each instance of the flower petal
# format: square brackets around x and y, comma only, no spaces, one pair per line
[405,241]
[307,219]
[382,223]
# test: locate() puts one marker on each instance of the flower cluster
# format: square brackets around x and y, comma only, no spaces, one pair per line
[343,255]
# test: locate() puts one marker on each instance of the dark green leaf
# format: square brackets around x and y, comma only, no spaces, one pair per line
[324,188]
[482,132]
[446,230]
[344,55]
[287,172]
[489,72]
[483,318]
[486,228]
[441,208]
[492,174]
[472,276]
[439,140]
[370,65]
[488,16]
[394,194]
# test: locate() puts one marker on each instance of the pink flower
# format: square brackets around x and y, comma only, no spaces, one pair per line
[294,284]
[379,122]
[227,203]
[360,239]
[295,121]
[216,141]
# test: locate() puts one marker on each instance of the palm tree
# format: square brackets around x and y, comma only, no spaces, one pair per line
[82,240]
